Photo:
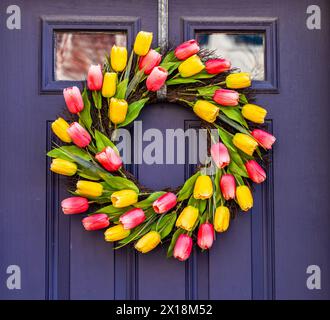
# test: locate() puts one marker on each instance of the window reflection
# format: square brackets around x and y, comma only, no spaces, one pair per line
[245,50]
[75,51]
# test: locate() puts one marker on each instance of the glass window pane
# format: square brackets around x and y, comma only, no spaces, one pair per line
[76,50]
[245,50]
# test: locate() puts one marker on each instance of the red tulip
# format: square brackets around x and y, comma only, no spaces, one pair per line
[264,138]
[79,135]
[109,159]
[186,49]
[226,97]
[74,205]
[94,77]
[228,186]
[255,172]
[182,248]
[205,235]
[73,99]
[214,66]
[164,203]
[156,78]
[220,155]
[96,222]
[149,61]
[132,218]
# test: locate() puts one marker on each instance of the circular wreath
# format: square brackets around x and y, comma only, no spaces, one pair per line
[113,98]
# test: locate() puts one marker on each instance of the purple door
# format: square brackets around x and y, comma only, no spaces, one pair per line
[266,254]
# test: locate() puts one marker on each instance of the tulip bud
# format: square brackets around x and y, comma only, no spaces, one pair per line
[221,219]
[228,186]
[165,203]
[79,135]
[191,66]
[94,77]
[238,80]
[74,205]
[156,78]
[117,110]
[116,233]
[187,218]
[244,198]
[215,66]
[132,218]
[149,61]
[142,43]
[255,172]
[65,167]
[203,188]
[96,222]
[264,138]
[60,127]
[183,247]
[245,143]
[118,58]
[254,113]
[226,97]
[186,49]
[148,242]
[109,84]
[89,189]
[124,198]
[206,110]
[205,236]
[73,99]
[109,159]
[220,155]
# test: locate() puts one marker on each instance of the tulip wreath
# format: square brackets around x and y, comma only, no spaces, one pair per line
[113,98]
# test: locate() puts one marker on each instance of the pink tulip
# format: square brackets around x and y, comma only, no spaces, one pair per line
[165,202]
[228,186]
[264,138]
[182,248]
[205,236]
[73,99]
[226,97]
[186,49]
[74,205]
[79,135]
[109,159]
[255,172]
[94,77]
[96,222]
[220,155]
[156,78]
[132,218]
[149,61]
[214,66]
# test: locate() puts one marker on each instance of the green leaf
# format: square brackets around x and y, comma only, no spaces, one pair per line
[111,210]
[61,153]
[175,237]
[233,124]
[119,183]
[134,110]
[180,80]
[170,66]
[167,226]
[243,99]
[148,202]
[207,91]
[218,194]
[236,164]
[235,114]
[203,75]
[88,175]
[239,179]
[128,68]
[97,98]
[170,57]
[187,189]
[137,78]
[193,202]
[85,115]
[202,206]
[227,139]
[103,141]
[121,89]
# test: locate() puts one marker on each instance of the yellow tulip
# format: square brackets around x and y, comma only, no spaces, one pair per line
[238,80]
[59,127]
[148,242]
[142,43]
[245,143]
[203,188]
[89,189]
[116,233]
[254,113]
[206,110]
[221,219]
[124,198]
[117,110]
[109,84]
[244,197]
[118,58]
[191,66]
[65,167]
[187,218]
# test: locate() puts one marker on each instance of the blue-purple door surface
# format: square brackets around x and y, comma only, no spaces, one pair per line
[266,252]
